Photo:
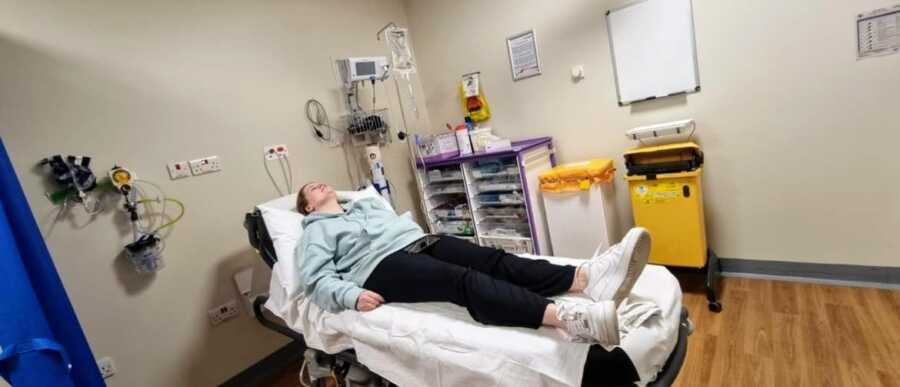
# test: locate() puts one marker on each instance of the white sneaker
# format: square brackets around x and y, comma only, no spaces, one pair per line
[611,275]
[589,323]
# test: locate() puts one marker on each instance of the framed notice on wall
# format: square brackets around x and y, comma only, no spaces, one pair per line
[523,55]
[878,32]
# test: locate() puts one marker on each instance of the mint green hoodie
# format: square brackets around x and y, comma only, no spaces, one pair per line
[338,252]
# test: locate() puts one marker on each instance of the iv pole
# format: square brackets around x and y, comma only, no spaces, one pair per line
[410,137]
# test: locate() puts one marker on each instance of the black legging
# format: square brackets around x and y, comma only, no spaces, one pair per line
[496,287]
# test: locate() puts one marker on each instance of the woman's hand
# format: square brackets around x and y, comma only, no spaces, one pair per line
[368,300]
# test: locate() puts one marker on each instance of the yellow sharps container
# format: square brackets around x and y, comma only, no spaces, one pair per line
[666,198]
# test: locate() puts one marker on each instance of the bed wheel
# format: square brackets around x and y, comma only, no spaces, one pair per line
[688,324]
[715,307]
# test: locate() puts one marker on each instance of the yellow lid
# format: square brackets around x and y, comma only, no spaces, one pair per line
[577,176]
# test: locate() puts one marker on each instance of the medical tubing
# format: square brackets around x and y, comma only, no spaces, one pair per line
[134,195]
[171,222]
[290,173]
[82,194]
[271,178]
[177,218]
[402,111]
[149,223]
[287,180]
[162,194]
[347,159]
[412,96]
[154,185]
[412,143]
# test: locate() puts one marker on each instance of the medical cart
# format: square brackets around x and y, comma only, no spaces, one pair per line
[489,198]
[664,183]
[580,195]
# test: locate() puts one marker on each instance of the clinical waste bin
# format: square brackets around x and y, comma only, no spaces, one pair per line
[664,183]
[579,207]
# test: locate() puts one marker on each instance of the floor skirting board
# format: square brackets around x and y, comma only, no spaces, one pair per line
[843,275]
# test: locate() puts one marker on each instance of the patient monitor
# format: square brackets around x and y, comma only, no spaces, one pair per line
[363,69]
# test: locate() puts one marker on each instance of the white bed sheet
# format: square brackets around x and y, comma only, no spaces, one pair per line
[438,344]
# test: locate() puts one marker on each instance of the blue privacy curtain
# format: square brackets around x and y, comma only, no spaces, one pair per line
[42,342]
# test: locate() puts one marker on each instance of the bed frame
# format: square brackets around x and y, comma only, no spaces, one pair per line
[258,236]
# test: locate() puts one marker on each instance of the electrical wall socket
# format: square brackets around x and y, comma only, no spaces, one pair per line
[179,170]
[107,367]
[205,165]
[275,152]
[223,312]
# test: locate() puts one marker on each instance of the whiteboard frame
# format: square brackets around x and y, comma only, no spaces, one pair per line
[537,55]
[612,54]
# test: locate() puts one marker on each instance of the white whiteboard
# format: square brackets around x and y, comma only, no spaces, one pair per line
[653,49]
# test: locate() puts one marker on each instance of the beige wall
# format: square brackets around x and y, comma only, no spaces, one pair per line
[145,83]
[799,135]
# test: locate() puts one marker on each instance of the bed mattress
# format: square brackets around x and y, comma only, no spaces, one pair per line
[439,344]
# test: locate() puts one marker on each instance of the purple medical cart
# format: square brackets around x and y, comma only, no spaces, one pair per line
[490,198]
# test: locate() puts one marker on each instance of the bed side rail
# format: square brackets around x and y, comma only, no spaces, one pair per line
[263,319]
[258,235]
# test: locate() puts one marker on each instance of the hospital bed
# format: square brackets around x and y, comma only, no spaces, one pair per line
[343,357]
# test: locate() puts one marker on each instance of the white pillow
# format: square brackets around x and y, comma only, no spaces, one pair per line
[285,227]
[368,192]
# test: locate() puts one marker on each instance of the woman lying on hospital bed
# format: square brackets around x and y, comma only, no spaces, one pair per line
[365,255]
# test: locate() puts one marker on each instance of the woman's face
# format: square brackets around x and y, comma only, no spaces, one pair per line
[317,194]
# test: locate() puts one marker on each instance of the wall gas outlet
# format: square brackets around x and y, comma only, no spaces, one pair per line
[223,312]
[205,165]
[275,152]
[107,367]
[179,170]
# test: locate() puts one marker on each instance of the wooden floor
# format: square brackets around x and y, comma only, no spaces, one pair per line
[288,378]
[773,333]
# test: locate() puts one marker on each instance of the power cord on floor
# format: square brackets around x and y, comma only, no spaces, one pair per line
[302,369]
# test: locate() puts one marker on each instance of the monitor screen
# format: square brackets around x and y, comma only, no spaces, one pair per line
[365,68]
